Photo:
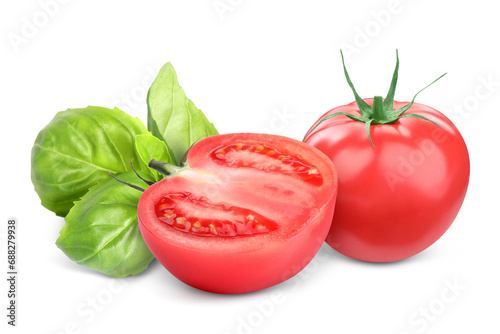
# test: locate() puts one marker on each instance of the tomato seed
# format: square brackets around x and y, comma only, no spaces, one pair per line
[244,221]
[279,162]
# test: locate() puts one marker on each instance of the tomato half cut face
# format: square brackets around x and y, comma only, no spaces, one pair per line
[249,211]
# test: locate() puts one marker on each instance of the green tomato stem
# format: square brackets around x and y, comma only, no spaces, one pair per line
[382,112]
[378,112]
[165,168]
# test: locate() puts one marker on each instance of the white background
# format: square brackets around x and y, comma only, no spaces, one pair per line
[243,67]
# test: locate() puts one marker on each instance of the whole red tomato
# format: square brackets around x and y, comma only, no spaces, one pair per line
[403,172]
[248,211]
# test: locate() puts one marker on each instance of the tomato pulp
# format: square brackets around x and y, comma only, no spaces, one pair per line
[247,212]
[398,197]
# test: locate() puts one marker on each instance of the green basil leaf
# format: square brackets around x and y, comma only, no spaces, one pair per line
[174,118]
[149,147]
[76,150]
[102,232]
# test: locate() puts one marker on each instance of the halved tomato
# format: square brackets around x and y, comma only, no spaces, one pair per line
[247,211]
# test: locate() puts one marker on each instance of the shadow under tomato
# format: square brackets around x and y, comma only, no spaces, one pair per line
[424,255]
[169,286]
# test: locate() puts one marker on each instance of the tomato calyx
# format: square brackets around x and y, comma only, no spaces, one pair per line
[382,111]
[162,167]
[165,168]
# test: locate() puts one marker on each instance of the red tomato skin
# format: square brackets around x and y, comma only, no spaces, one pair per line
[233,265]
[399,197]
[245,271]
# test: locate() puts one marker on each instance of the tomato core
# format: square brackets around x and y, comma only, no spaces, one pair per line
[185,212]
[266,158]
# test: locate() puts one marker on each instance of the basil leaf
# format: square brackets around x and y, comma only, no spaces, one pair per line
[149,147]
[174,118]
[76,150]
[102,232]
